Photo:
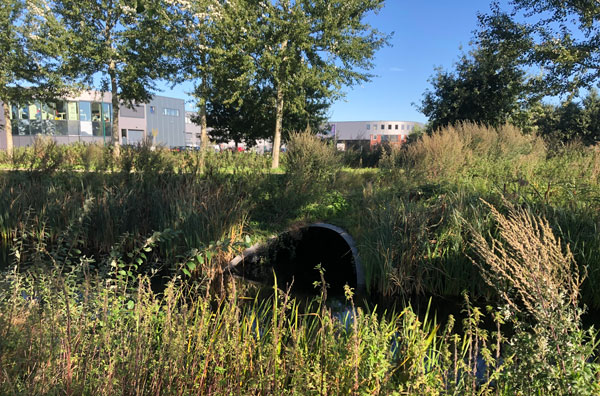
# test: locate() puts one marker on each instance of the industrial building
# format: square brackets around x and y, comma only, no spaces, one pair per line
[348,133]
[88,118]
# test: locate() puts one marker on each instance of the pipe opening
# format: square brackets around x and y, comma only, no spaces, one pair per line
[294,255]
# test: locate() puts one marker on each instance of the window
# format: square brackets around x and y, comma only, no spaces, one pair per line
[96,112]
[72,113]
[368,127]
[396,127]
[85,111]
[171,112]
[374,127]
[61,111]
[48,111]
[402,126]
[382,126]
[34,111]
[107,112]
[152,109]
[390,126]
[24,113]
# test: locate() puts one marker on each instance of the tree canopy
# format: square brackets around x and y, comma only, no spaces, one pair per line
[32,56]
[488,85]
[566,37]
[130,44]
[309,49]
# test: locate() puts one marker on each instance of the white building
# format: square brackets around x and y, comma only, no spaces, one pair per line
[371,132]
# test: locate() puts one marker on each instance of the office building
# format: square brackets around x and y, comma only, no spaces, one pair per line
[88,118]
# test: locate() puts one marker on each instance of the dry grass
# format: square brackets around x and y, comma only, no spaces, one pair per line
[449,151]
[531,261]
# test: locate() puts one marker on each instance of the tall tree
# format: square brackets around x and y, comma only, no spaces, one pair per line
[567,41]
[210,55]
[488,84]
[572,120]
[247,121]
[128,43]
[32,49]
[309,48]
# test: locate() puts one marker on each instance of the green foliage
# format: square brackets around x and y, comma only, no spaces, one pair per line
[80,315]
[130,44]
[565,36]
[32,43]
[306,51]
[571,121]
[488,85]
[539,281]
[109,340]
[311,165]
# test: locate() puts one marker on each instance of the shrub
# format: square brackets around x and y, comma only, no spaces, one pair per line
[539,281]
[449,152]
[311,166]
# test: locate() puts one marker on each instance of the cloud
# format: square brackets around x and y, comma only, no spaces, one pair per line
[396,69]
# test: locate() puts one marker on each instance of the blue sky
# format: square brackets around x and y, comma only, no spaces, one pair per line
[427,34]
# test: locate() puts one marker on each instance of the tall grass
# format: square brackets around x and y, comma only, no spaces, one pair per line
[92,336]
[412,220]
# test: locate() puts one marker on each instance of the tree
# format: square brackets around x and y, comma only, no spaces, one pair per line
[206,54]
[247,121]
[566,41]
[572,120]
[488,84]
[31,57]
[128,43]
[253,117]
[307,49]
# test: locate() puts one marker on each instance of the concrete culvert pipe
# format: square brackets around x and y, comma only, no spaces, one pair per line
[294,254]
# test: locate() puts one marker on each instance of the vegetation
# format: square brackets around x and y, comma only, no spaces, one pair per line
[488,84]
[129,43]
[113,280]
[33,52]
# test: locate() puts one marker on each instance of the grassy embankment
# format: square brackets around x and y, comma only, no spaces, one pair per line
[80,317]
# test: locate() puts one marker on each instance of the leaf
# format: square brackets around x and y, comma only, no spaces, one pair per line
[191,265]
[130,305]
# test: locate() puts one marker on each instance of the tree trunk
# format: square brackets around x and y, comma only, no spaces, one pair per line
[7,128]
[203,128]
[278,127]
[115,134]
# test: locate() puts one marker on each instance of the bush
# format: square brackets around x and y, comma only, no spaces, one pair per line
[539,281]
[450,151]
[311,165]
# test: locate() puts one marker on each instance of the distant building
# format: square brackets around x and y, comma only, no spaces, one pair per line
[348,133]
[88,118]
[193,133]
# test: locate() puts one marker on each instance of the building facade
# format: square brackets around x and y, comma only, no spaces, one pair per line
[88,118]
[372,132]
[193,132]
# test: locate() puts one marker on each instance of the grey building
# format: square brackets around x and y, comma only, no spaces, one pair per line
[193,131]
[88,118]
[166,121]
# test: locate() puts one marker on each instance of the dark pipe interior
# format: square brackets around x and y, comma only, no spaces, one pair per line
[295,255]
